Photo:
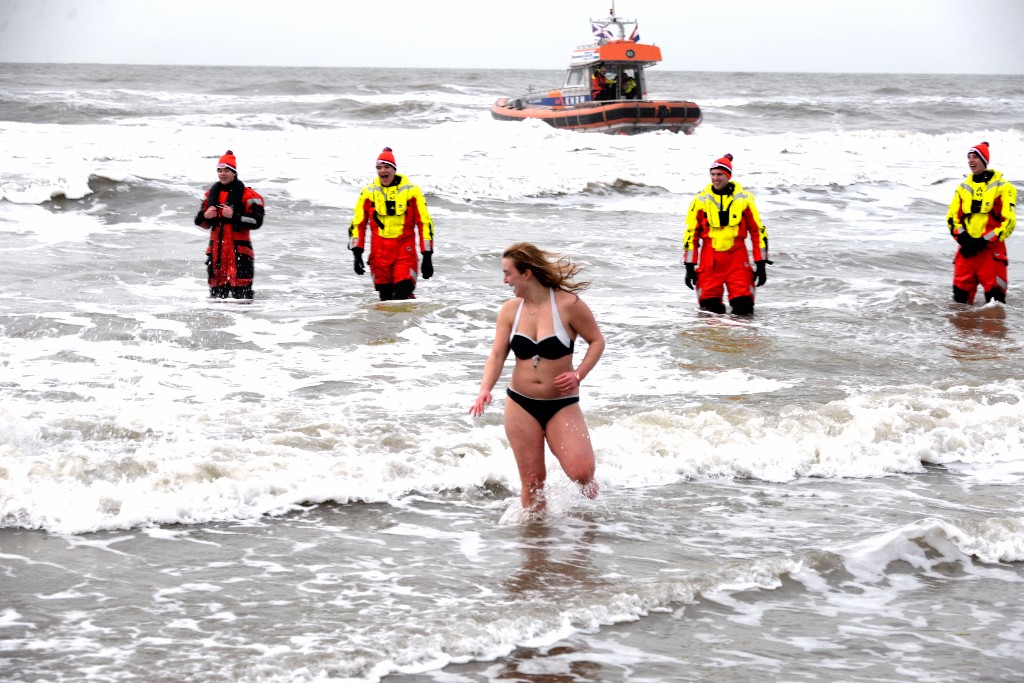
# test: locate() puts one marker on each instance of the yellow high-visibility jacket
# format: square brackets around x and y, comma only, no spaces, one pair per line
[395,212]
[704,221]
[984,209]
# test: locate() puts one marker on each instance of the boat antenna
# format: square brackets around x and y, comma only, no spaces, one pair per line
[612,20]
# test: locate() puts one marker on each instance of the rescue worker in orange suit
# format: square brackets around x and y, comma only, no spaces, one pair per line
[720,220]
[394,212]
[600,86]
[229,211]
[981,216]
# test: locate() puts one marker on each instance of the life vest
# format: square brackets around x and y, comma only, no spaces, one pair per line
[985,208]
[246,205]
[725,219]
[598,84]
[394,212]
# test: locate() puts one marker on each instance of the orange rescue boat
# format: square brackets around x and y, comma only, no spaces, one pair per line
[605,89]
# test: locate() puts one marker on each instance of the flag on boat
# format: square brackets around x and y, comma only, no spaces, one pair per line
[635,35]
[600,31]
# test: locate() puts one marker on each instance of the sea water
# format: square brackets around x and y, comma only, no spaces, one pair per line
[293,490]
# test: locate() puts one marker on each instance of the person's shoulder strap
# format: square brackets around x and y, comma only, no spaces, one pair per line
[515,323]
[556,321]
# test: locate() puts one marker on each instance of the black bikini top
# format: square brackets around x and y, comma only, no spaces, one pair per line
[550,348]
[553,347]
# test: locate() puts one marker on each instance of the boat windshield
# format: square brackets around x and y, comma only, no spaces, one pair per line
[576,77]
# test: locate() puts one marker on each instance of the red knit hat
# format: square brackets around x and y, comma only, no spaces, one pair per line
[228,161]
[386,157]
[982,151]
[724,164]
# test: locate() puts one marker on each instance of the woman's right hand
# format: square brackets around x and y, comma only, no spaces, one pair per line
[211,212]
[482,401]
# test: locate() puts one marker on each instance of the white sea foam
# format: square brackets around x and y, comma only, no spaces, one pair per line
[460,160]
[185,464]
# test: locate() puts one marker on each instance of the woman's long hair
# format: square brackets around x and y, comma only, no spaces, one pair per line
[551,270]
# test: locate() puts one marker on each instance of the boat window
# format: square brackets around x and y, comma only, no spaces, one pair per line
[575,77]
[630,83]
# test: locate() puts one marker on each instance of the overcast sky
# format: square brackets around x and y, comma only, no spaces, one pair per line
[874,36]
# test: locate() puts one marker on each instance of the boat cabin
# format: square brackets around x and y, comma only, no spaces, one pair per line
[604,81]
[610,70]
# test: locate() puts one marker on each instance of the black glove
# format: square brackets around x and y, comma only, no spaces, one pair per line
[691,275]
[428,265]
[969,246]
[357,265]
[761,276]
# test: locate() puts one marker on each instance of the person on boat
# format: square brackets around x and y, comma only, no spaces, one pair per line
[630,91]
[540,327]
[720,220]
[397,212]
[600,86]
[229,211]
[981,217]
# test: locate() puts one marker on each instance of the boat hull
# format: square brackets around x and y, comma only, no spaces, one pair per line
[623,117]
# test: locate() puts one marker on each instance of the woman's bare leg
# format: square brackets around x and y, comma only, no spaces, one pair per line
[526,438]
[569,439]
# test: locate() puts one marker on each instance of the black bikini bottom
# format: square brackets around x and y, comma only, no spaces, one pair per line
[542,409]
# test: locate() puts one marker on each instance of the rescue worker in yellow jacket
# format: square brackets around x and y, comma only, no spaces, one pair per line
[981,216]
[720,220]
[629,91]
[394,211]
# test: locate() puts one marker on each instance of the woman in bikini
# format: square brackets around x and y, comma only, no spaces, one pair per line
[540,327]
